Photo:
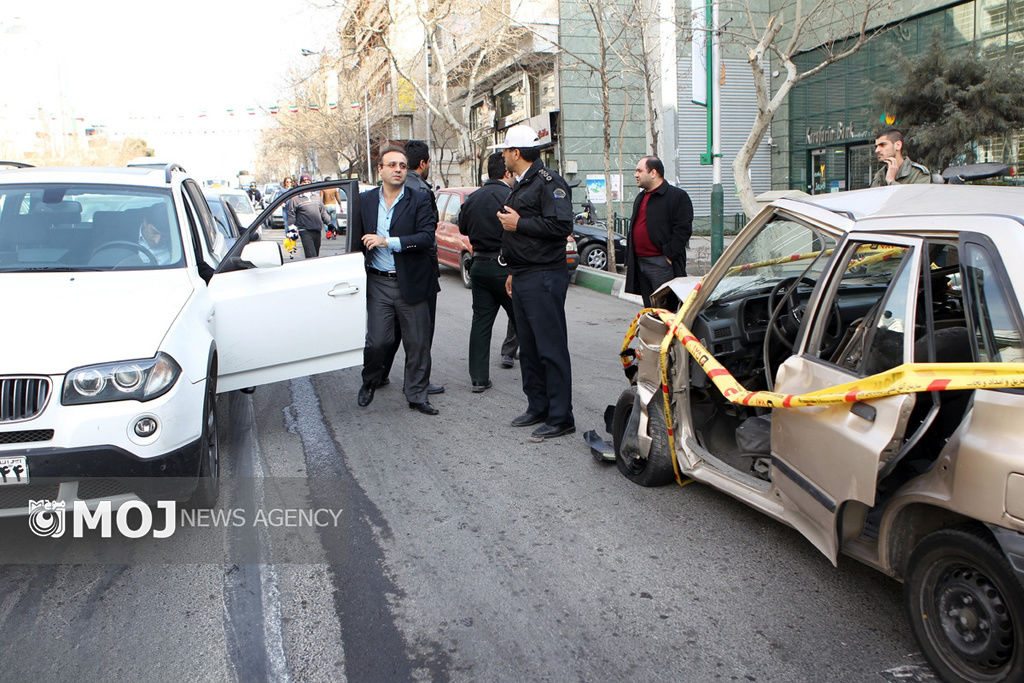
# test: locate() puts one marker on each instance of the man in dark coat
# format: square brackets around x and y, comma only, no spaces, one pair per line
[398,225]
[478,219]
[418,154]
[661,226]
[307,212]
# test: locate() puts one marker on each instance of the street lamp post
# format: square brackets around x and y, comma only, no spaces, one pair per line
[366,114]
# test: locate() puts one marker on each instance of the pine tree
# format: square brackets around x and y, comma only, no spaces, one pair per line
[949,101]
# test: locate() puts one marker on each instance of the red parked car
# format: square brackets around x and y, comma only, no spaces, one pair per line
[454,249]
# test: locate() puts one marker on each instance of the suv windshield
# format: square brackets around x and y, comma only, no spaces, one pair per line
[80,227]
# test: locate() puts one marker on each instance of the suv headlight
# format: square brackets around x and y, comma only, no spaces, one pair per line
[130,380]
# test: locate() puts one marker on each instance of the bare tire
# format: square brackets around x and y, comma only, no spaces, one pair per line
[208,483]
[655,469]
[465,261]
[966,607]
[594,256]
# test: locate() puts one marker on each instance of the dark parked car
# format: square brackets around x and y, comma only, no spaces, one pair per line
[592,243]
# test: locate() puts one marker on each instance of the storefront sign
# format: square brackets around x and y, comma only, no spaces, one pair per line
[542,124]
[836,133]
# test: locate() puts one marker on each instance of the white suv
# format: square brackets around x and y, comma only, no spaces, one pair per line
[126,313]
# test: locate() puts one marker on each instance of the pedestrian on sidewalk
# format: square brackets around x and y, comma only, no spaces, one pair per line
[659,231]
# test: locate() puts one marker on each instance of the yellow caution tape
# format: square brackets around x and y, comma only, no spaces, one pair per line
[874,253]
[903,379]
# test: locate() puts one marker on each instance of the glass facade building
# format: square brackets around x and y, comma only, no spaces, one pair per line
[833,118]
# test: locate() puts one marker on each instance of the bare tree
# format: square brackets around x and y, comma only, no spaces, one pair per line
[329,129]
[465,40]
[839,27]
[613,60]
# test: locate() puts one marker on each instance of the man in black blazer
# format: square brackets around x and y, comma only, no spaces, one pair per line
[661,226]
[398,227]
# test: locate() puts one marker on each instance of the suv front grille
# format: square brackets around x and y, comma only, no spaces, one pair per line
[22,398]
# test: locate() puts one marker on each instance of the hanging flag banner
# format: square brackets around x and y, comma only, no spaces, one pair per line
[699,55]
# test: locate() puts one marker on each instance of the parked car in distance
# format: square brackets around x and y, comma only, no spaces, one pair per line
[454,249]
[592,242]
[133,314]
[234,208]
[813,376]
[268,192]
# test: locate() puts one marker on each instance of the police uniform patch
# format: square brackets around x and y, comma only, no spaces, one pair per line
[559,193]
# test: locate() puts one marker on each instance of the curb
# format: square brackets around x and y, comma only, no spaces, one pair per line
[604,282]
[613,284]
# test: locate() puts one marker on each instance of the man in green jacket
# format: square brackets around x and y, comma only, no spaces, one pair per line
[897,169]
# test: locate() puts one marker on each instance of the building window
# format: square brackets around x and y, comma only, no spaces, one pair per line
[510,105]
[403,127]
[481,116]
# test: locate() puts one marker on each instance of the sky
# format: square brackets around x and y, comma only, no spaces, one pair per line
[170,71]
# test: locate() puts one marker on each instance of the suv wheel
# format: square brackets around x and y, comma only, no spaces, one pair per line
[594,256]
[656,469]
[208,486]
[966,607]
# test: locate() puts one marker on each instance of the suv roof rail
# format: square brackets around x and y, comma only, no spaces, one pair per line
[172,167]
[142,162]
[16,164]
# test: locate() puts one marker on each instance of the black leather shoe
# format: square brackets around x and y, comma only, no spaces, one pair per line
[424,408]
[507,361]
[384,382]
[365,395]
[480,388]
[527,419]
[435,389]
[551,431]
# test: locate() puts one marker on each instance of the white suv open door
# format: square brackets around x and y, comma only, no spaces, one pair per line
[300,318]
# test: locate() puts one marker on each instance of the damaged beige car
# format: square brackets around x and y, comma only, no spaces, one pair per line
[851,367]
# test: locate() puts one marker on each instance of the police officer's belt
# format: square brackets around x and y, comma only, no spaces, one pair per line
[485,256]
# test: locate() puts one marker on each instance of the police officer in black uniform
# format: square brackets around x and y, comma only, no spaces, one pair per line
[537,218]
[478,220]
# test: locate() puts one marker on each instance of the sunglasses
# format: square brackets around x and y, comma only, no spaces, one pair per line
[393,164]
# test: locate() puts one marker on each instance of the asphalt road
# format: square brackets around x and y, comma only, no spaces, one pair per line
[461,551]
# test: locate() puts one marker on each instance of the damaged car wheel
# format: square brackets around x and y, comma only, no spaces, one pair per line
[966,607]
[654,469]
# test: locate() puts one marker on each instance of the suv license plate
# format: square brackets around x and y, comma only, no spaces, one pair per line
[13,470]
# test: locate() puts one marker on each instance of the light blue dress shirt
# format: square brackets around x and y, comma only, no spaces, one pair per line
[382,258]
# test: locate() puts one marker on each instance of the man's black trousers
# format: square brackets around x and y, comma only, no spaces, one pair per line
[488,283]
[538,299]
[310,243]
